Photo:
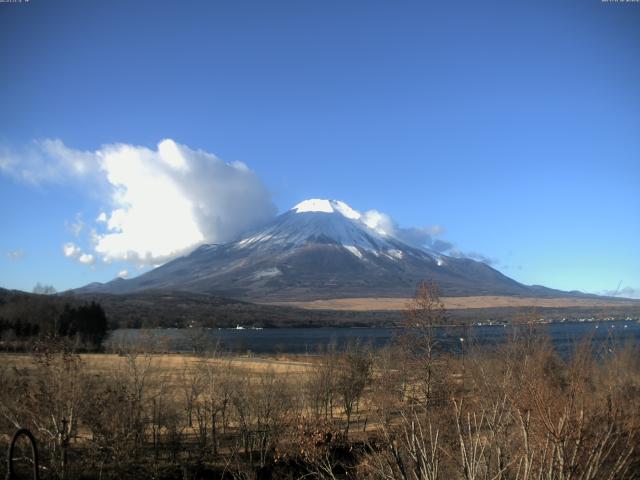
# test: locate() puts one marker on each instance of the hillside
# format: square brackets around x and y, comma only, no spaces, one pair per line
[321,249]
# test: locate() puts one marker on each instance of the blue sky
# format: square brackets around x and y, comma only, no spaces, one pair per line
[513,126]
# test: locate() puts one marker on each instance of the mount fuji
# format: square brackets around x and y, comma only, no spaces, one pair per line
[320,249]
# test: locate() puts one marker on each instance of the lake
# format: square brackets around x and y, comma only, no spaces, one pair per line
[308,340]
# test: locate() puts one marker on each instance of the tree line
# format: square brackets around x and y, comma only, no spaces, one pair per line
[27,318]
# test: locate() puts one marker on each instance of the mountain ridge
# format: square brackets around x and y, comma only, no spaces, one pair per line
[320,249]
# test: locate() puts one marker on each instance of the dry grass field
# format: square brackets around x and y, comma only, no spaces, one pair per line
[169,367]
[455,303]
[356,414]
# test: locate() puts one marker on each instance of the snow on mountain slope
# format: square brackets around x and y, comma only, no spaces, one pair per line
[318,249]
[329,221]
[327,206]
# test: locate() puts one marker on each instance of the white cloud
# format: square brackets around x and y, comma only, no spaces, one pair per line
[123,273]
[454,252]
[86,259]
[416,236]
[47,161]
[71,250]
[169,200]
[380,222]
[422,237]
[159,203]
[16,254]
[77,226]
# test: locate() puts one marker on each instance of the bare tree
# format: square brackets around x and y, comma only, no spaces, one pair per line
[352,377]
[47,399]
[411,451]
[320,385]
[423,315]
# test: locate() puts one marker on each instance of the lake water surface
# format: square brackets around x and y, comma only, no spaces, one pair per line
[309,340]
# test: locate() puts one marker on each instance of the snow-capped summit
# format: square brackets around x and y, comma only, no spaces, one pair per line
[324,221]
[326,206]
[319,249]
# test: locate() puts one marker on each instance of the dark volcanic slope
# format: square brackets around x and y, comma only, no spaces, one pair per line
[151,308]
[319,250]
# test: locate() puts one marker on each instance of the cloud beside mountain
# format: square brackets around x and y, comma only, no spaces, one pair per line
[160,203]
[168,200]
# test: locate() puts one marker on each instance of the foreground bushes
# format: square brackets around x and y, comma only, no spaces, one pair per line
[408,411]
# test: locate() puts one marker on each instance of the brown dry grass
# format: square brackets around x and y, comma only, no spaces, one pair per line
[165,364]
[454,303]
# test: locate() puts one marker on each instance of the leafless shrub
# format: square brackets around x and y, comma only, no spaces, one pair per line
[423,316]
[408,450]
[46,399]
[320,385]
[353,375]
